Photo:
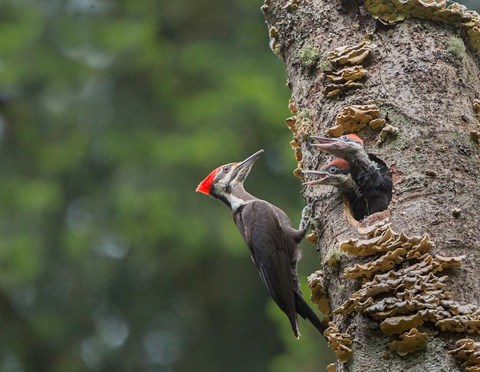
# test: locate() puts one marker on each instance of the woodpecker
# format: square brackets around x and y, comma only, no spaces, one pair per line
[269,234]
[337,173]
[371,174]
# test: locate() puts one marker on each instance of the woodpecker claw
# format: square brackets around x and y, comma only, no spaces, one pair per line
[308,218]
[305,221]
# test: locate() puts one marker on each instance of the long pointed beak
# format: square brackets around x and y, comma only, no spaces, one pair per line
[251,159]
[243,168]
[319,181]
[325,143]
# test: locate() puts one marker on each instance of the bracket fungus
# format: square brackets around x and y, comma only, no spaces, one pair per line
[319,292]
[301,125]
[435,10]
[401,289]
[409,342]
[396,248]
[345,69]
[400,324]
[292,5]
[351,55]
[468,352]
[338,342]
[274,43]
[475,135]
[355,117]
[344,79]
[387,131]
[312,238]
[352,73]
[331,368]
[476,105]
[469,323]
[383,239]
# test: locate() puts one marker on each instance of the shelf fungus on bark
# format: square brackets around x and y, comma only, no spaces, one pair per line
[436,10]
[396,248]
[292,106]
[331,368]
[401,289]
[312,238]
[344,79]
[319,292]
[409,342]
[468,352]
[476,106]
[355,117]
[292,5]
[400,324]
[469,323]
[351,55]
[339,342]
[345,68]
[301,125]
[274,43]
[475,136]
[298,172]
[387,131]
[383,239]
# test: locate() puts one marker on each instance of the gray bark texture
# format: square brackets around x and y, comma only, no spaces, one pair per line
[425,88]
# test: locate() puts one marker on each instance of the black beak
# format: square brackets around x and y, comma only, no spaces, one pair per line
[241,169]
[251,159]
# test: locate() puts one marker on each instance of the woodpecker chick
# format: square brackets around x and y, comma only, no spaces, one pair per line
[371,174]
[269,234]
[337,173]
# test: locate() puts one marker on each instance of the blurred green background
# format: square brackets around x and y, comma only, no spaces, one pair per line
[111,112]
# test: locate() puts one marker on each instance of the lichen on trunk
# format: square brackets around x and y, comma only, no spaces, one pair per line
[423,75]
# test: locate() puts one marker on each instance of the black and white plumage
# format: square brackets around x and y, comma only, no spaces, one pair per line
[370,173]
[269,235]
[337,173]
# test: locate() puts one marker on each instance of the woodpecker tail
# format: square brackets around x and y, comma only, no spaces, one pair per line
[307,313]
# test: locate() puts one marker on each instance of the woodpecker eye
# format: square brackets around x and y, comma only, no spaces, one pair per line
[226,168]
[332,170]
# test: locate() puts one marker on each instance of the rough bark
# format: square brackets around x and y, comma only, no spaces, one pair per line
[427,93]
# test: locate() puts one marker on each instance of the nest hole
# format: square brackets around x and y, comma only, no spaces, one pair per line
[374,193]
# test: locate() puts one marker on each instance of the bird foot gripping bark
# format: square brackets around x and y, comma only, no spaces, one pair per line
[309,220]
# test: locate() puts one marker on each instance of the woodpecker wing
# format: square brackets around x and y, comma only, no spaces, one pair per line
[270,249]
[386,176]
[375,182]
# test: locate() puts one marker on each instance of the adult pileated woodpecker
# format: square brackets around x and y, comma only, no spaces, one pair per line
[337,173]
[268,233]
[369,172]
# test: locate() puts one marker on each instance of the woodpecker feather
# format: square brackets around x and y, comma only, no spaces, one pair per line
[269,235]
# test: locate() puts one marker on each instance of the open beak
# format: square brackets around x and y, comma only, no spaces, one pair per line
[325,143]
[323,176]
[241,169]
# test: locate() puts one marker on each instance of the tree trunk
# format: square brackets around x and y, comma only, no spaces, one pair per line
[425,83]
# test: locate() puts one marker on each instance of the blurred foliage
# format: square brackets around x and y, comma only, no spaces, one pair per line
[111,113]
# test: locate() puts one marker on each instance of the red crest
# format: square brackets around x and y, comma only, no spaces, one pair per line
[339,163]
[355,138]
[206,185]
